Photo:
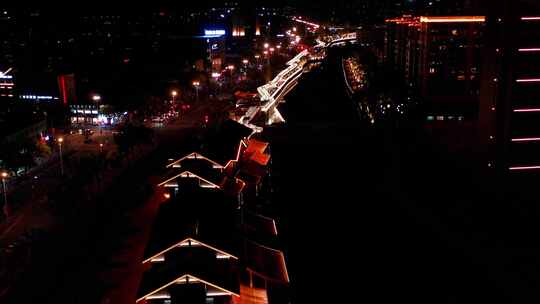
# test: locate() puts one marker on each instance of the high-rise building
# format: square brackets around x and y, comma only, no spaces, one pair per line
[441,56]
[510,108]
[8,42]
[66,87]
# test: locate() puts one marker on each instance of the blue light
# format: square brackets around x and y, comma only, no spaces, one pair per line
[216,33]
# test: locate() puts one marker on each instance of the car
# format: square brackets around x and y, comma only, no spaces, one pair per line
[87,132]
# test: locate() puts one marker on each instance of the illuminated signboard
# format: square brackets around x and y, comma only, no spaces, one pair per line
[38,97]
[214,33]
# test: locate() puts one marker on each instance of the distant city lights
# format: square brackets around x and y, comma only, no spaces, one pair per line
[299,19]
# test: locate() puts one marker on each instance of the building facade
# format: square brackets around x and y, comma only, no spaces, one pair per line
[509,109]
[441,56]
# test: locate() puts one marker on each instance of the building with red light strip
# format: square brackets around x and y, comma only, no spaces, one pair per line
[206,244]
[441,57]
[510,101]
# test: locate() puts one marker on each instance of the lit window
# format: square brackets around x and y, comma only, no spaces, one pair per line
[440,117]
[430,118]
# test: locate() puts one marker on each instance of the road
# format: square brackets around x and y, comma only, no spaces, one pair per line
[87,254]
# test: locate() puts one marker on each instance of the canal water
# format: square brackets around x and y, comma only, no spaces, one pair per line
[353,219]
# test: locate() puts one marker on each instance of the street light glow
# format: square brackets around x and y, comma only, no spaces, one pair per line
[174,93]
[266,45]
[4,174]
[196,83]
[60,139]
[96,97]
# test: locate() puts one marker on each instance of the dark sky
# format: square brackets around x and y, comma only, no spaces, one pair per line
[67,6]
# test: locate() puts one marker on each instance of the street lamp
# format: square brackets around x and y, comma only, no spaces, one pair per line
[4,176]
[101,148]
[196,84]
[60,141]
[174,93]
[97,98]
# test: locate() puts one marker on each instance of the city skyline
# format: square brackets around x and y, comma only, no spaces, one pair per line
[270,152]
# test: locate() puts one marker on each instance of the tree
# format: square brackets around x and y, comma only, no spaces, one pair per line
[42,149]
